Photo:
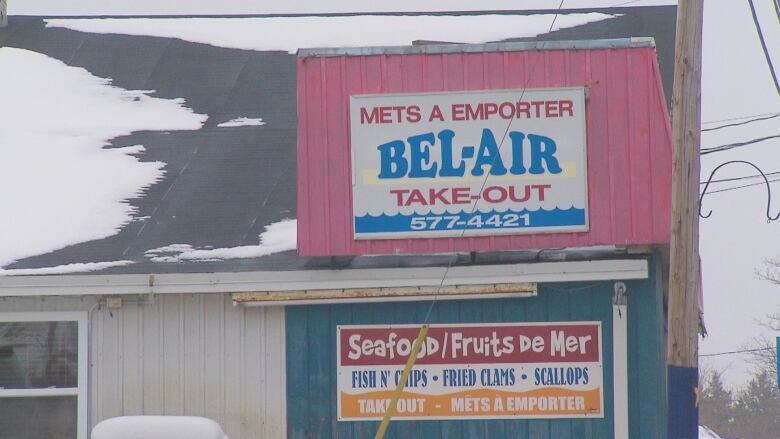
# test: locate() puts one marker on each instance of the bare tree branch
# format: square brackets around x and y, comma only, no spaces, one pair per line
[771,271]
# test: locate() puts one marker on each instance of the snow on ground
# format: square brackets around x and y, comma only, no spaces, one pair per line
[241,122]
[278,237]
[292,33]
[158,427]
[59,185]
[706,433]
[192,7]
[63,269]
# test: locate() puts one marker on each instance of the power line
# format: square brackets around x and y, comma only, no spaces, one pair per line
[777,9]
[737,118]
[763,45]
[746,177]
[625,3]
[424,328]
[743,351]
[487,175]
[728,146]
[741,123]
[769,217]
[741,186]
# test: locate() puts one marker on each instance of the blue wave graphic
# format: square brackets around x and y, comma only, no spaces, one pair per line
[489,220]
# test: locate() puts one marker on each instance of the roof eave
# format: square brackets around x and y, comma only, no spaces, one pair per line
[514,46]
[264,281]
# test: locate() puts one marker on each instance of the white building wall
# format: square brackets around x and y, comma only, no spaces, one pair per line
[182,354]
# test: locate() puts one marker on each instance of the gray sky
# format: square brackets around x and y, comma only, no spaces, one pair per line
[141,7]
[734,241]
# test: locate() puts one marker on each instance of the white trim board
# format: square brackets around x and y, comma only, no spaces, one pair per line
[22,393]
[620,369]
[258,281]
[421,298]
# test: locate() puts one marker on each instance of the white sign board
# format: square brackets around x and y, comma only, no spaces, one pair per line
[469,163]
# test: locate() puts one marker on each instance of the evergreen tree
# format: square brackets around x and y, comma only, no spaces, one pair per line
[757,409]
[716,405]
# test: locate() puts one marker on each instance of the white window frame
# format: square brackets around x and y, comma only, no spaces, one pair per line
[82,319]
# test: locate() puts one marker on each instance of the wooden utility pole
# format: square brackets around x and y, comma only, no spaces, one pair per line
[683,343]
[3,13]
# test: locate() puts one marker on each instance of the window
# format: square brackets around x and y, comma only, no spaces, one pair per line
[43,375]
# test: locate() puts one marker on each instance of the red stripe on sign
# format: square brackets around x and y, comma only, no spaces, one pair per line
[554,343]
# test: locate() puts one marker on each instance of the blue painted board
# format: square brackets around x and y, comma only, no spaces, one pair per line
[311,361]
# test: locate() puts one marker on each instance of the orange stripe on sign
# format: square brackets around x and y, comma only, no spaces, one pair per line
[551,401]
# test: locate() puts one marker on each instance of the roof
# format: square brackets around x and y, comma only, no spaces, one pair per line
[512,46]
[222,187]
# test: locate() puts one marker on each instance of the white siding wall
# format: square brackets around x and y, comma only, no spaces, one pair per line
[183,354]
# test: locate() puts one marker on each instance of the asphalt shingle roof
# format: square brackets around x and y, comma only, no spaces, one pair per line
[222,186]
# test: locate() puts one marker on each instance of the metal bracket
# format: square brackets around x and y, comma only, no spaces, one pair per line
[150,295]
[619,296]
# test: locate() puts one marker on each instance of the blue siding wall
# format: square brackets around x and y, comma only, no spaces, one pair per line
[311,362]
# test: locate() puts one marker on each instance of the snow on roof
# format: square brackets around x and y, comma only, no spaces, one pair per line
[65,268]
[53,164]
[292,33]
[89,197]
[278,237]
[242,122]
